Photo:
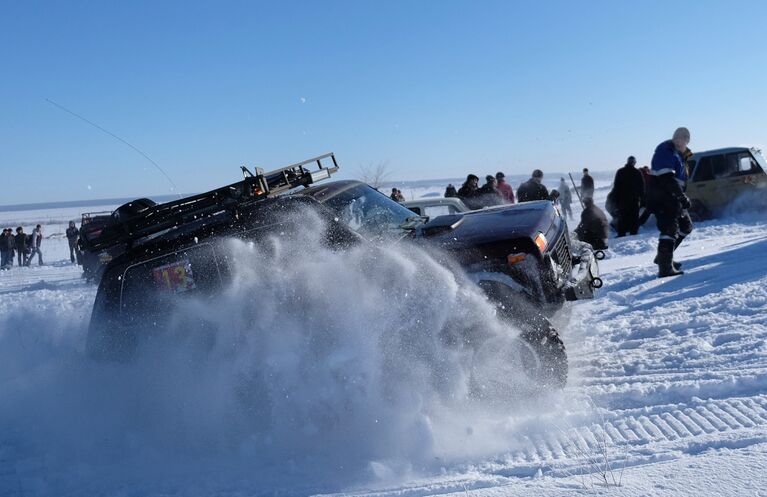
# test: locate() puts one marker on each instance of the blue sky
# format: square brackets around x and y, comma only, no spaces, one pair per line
[436,89]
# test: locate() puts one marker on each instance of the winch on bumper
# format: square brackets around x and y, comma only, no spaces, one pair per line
[585,274]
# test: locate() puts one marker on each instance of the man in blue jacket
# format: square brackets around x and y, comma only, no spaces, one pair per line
[666,198]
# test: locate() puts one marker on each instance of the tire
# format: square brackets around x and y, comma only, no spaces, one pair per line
[544,357]
[545,361]
[698,211]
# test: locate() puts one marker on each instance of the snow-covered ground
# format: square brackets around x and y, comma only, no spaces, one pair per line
[667,393]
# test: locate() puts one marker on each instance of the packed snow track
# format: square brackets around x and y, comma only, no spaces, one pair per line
[667,396]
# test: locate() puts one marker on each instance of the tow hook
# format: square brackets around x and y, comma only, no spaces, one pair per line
[599,254]
[596,283]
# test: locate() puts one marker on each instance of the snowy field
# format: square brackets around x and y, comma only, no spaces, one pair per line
[667,393]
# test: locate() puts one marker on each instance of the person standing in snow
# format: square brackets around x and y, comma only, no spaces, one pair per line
[469,192]
[667,200]
[505,189]
[533,189]
[587,185]
[73,234]
[21,245]
[489,194]
[565,198]
[6,249]
[628,191]
[450,191]
[36,241]
[593,228]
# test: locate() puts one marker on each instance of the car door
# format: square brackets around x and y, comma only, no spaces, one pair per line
[704,187]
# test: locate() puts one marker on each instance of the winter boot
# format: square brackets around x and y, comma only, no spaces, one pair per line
[677,265]
[665,259]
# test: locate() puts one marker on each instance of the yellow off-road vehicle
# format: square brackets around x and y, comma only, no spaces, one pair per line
[726,179]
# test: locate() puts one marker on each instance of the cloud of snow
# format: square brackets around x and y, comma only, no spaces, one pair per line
[314,368]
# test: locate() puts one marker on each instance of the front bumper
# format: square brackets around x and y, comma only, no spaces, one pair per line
[585,276]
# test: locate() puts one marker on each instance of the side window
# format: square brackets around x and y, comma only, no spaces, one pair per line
[719,166]
[704,171]
[437,210]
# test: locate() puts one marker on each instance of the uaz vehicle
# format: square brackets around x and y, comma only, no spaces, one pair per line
[520,256]
[721,177]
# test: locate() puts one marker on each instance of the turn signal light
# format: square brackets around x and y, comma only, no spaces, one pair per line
[541,242]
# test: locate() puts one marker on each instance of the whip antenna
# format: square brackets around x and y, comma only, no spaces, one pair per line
[135,148]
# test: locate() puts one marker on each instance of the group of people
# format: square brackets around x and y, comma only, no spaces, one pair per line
[658,189]
[21,246]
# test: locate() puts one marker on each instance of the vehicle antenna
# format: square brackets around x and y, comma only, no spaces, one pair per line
[135,148]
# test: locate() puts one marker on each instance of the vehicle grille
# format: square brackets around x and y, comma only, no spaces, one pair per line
[562,256]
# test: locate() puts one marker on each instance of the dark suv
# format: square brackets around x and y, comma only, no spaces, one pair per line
[521,256]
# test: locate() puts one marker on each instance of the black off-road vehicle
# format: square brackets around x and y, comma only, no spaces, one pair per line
[521,256]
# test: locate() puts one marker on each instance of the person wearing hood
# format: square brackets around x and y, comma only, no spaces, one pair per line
[533,189]
[667,200]
[450,191]
[469,192]
[628,191]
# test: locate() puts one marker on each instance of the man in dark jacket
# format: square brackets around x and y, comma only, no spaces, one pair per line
[533,189]
[587,185]
[667,200]
[469,192]
[489,194]
[21,245]
[628,192]
[593,228]
[73,234]
[6,249]
[450,191]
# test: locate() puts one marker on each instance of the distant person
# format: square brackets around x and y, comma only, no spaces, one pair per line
[400,197]
[489,194]
[469,192]
[565,199]
[393,195]
[36,240]
[21,246]
[505,189]
[554,196]
[667,200]
[6,249]
[628,191]
[450,191]
[593,228]
[73,235]
[533,189]
[587,185]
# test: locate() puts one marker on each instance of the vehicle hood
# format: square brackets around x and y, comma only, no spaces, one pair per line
[495,232]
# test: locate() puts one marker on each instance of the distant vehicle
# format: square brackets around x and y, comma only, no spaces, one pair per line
[435,207]
[726,178]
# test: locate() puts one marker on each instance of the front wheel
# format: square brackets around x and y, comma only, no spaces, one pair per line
[543,355]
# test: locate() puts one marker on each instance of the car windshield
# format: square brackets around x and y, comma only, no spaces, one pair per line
[369,212]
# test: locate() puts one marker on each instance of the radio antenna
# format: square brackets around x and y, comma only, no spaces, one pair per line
[135,148]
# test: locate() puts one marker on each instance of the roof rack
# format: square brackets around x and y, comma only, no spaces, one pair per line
[128,227]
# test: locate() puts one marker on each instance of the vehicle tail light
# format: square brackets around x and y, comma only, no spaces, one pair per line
[512,259]
[541,242]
